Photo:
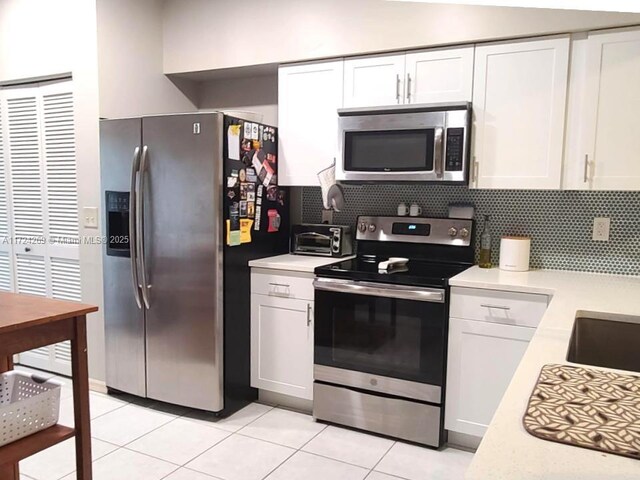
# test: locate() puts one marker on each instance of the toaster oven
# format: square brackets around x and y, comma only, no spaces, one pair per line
[322,240]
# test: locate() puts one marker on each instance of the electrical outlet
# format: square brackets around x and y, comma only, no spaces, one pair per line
[601,226]
[90,215]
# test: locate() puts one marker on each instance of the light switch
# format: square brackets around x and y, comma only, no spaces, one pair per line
[90,215]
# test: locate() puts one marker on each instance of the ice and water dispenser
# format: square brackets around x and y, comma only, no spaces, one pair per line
[117,204]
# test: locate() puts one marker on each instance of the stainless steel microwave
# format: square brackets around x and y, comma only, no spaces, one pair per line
[412,143]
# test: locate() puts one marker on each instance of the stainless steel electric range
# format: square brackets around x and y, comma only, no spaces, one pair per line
[381,325]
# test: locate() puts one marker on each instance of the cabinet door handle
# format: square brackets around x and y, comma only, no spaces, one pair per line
[586,168]
[308,314]
[275,291]
[499,307]
[474,171]
[398,88]
[408,87]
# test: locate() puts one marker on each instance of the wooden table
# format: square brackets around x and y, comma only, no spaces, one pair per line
[28,322]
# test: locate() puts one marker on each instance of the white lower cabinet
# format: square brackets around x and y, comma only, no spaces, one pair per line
[282,341]
[483,355]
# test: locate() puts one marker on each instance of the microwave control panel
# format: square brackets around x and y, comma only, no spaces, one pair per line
[454,150]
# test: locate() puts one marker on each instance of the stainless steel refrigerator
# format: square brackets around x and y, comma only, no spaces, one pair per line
[176,280]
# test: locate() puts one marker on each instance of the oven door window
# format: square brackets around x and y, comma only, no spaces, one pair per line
[313,242]
[384,336]
[389,150]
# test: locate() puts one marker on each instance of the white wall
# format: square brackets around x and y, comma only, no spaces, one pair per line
[42,38]
[37,38]
[211,34]
[258,94]
[130,62]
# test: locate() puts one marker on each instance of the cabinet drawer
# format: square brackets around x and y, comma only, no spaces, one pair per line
[509,308]
[292,285]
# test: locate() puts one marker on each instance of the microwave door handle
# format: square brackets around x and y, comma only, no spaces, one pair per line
[438,152]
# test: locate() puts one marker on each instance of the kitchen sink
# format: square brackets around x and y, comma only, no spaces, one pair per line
[611,341]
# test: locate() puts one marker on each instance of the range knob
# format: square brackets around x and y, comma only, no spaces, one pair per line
[372,227]
[453,232]
[362,227]
[464,232]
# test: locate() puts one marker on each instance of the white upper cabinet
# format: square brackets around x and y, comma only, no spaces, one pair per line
[429,76]
[308,99]
[519,100]
[442,75]
[373,81]
[610,159]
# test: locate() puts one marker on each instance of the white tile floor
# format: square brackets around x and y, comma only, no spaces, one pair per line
[140,442]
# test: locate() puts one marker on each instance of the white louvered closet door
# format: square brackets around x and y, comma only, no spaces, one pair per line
[6,250]
[43,201]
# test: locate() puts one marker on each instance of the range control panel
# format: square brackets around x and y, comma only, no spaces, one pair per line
[440,231]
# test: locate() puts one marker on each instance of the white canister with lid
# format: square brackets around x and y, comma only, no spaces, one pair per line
[514,253]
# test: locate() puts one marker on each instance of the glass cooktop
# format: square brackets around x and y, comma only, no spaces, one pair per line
[414,272]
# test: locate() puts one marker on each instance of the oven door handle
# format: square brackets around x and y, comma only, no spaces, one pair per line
[403,292]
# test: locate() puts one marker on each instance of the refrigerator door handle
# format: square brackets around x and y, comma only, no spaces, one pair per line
[132,227]
[144,287]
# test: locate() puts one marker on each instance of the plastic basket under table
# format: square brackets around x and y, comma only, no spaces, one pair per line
[28,404]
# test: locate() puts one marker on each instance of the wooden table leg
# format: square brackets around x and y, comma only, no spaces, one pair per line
[6,364]
[80,373]
[8,472]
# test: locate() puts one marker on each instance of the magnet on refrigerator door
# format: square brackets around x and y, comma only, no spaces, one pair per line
[234,216]
[233,236]
[274,220]
[233,142]
[245,230]
[256,226]
[251,175]
[272,193]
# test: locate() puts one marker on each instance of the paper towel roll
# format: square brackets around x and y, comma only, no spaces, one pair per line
[514,253]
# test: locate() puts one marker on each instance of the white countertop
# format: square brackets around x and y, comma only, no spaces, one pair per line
[507,451]
[296,263]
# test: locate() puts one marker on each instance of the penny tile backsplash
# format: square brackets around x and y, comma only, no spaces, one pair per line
[559,222]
